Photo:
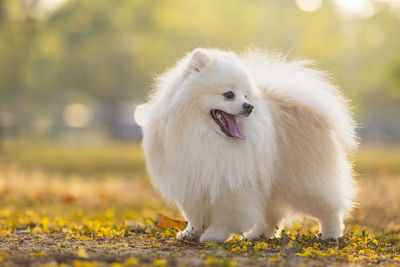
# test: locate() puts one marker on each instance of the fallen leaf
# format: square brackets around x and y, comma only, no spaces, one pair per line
[163,222]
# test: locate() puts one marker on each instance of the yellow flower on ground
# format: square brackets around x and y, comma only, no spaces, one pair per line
[131,261]
[354,259]
[261,245]
[211,260]
[79,263]
[37,254]
[3,255]
[160,262]
[82,253]
[235,249]
[307,252]
[297,225]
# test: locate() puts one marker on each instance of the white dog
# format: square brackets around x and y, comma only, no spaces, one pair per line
[241,142]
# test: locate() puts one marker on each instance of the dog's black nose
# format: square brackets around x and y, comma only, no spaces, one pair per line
[248,107]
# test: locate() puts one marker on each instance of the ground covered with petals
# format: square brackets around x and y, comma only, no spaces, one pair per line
[58,209]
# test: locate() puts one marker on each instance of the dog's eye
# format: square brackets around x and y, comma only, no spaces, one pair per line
[229,95]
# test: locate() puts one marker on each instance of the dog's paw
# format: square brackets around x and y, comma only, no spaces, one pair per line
[188,234]
[218,235]
[331,231]
[331,236]
[253,235]
[258,233]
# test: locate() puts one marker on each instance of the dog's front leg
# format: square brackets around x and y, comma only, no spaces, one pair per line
[198,220]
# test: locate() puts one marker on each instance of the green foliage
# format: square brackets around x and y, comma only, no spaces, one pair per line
[103,53]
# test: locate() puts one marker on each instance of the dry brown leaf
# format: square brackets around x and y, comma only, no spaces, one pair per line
[163,222]
[67,198]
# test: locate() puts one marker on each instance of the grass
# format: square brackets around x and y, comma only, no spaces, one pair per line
[94,206]
[89,160]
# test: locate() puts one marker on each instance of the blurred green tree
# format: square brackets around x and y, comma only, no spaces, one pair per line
[104,53]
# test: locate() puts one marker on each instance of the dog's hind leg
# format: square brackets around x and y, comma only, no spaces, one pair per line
[331,225]
[267,228]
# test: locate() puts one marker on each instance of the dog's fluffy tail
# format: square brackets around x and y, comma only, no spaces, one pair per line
[307,86]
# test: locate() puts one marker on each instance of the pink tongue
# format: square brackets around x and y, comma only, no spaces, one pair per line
[232,127]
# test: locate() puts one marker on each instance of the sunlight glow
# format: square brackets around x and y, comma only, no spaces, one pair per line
[359,8]
[77,115]
[50,5]
[309,5]
[392,3]
[45,8]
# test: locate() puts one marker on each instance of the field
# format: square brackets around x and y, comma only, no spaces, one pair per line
[85,205]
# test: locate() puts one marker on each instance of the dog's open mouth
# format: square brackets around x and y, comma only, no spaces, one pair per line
[227,123]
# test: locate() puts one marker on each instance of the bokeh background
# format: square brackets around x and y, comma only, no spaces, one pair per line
[72,71]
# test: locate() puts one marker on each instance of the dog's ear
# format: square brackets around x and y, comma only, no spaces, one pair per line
[199,59]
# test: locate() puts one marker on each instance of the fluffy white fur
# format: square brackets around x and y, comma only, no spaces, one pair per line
[292,161]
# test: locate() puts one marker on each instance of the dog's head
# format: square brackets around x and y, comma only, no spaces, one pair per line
[223,88]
